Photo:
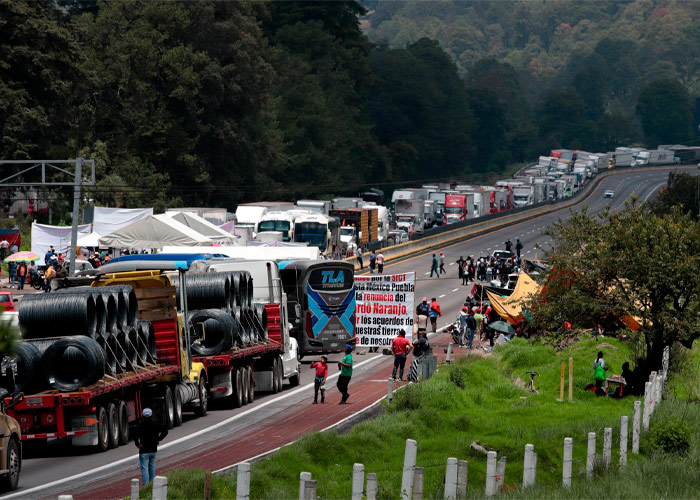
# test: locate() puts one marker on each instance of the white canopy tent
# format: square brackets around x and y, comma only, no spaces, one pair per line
[203,227]
[252,253]
[89,240]
[106,220]
[154,231]
[44,236]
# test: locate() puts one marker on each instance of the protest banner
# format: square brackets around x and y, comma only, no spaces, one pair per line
[384,307]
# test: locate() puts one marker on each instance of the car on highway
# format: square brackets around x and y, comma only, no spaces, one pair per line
[6,302]
[398,236]
[609,193]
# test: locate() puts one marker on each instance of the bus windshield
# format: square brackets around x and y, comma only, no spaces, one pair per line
[313,233]
[282,226]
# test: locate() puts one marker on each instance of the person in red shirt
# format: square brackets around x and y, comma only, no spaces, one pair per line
[400,348]
[320,378]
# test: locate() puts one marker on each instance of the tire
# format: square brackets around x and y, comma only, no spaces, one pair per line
[275,375]
[102,429]
[294,380]
[280,374]
[177,420]
[168,408]
[201,410]
[123,413]
[251,384]
[245,381]
[14,466]
[237,382]
[113,425]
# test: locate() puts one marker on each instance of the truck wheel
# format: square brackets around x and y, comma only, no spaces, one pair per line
[245,381]
[14,467]
[113,421]
[237,382]
[177,414]
[168,408]
[294,380]
[280,374]
[201,410]
[251,384]
[102,429]
[123,413]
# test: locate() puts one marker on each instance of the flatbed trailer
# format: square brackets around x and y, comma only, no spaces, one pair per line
[100,415]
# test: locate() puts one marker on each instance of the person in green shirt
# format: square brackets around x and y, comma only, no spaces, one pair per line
[345,366]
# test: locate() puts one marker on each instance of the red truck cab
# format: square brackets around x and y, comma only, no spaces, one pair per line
[455,208]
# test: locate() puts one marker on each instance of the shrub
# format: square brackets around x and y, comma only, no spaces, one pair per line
[670,436]
[406,399]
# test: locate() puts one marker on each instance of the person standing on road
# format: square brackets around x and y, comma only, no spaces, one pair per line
[518,247]
[4,247]
[21,275]
[471,327]
[509,245]
[380,262]
[149,433]
[12,271]
[345,366]
[442,263]
[462,326]
[423,308]
[48,275]
[320,378]
[359,260]
[434,267]
[400,348]
[372,261]
[460,268]
[434,313]
[420,348]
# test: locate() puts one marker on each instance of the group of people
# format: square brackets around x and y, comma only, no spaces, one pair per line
[438,262]
[345,367]
[486,268]
[376,261]
[425,312]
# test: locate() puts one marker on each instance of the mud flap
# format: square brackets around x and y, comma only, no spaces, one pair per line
[263,381]
[84,422]
[220,381]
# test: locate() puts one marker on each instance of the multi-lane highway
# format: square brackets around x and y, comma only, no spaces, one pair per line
[204,441]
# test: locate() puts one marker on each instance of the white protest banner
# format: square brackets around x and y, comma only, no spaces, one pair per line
[384,307]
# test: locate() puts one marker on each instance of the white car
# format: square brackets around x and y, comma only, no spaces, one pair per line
[609,193]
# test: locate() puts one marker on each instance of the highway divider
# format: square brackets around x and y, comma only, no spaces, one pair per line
[494,222]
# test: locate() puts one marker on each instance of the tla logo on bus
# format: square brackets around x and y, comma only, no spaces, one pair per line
[328,277]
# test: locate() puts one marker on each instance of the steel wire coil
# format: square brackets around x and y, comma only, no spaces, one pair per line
[110,305]
[207,290]
[131,347]
[140,344]
[148,337]
[220,330]
[242,317]
[22,370]
[130,303]
[43,315]
[122,340]
[108,345]
[246,289]
[235,289]
[73,362]
[261,320]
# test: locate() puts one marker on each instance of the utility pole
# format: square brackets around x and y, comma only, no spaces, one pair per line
[76,213]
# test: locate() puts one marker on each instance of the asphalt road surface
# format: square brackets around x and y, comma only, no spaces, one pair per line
[61,468]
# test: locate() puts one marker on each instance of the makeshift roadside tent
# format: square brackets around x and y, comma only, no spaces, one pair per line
[44,236]
[107,220]
[203,227]
[511,308]
[154,231]
[89,240]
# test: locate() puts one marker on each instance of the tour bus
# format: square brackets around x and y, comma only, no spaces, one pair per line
[321,304]
[317,230]
[282,222]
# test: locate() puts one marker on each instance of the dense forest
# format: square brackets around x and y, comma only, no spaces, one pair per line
[214,103]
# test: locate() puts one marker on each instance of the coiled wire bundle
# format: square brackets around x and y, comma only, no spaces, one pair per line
[220,330]
[206,290]
[147,339]
[43,315]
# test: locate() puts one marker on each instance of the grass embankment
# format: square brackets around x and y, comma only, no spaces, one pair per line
[475,399]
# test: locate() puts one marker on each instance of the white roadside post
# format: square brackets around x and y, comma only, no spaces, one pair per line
[303,477]
[607,446]
[491,457]
[448,357]
[160,488]
[590,456]
[451,479]
[647,409]
[636,426]
[409,465]
[418,477]
[533,469]
[135,489]
[372,487]
[310,490]
[568,461]
[652,402]
[500,472]
[623,440]
[462,473]
[243,481]
[527,464]
[358,481]
[390,390]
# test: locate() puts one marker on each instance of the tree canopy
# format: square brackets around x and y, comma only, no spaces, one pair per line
[617,264]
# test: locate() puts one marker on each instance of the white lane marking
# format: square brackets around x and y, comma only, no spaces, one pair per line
[456,289]
[452,263]
[441,296]
[489,248]
[134,458]
[528,251]
[426,273]
[654,191]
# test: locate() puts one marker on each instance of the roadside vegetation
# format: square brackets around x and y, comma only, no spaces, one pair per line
[485,400]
